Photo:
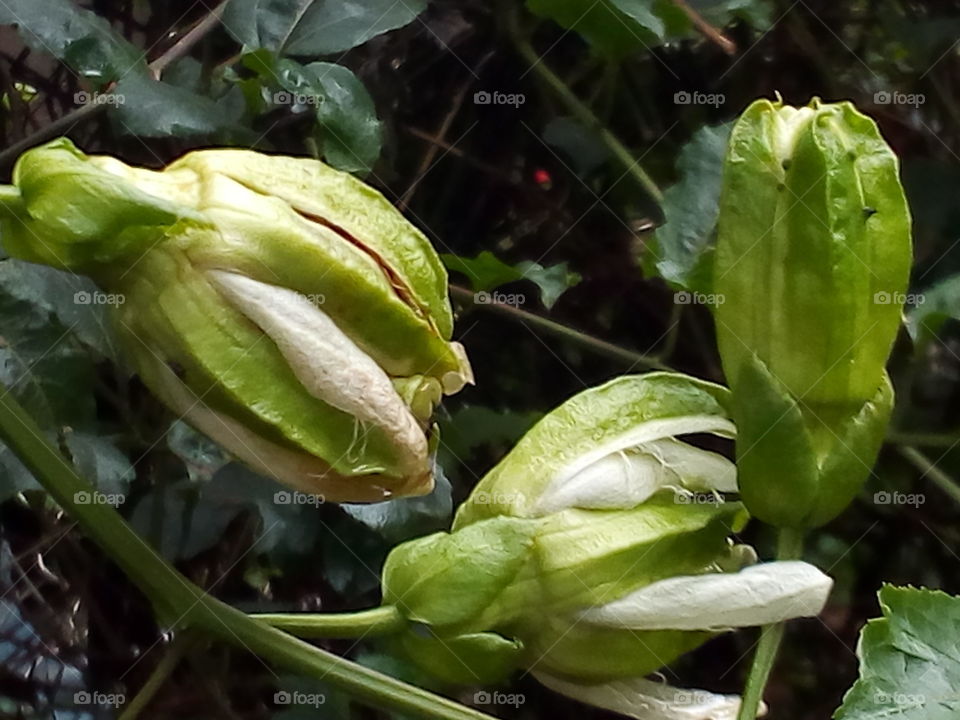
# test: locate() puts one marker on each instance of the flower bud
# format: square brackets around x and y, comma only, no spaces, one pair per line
[813,257]
[282,307]
[587,553]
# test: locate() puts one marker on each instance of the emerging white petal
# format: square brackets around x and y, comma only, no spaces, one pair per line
[757,595]
[625,478]
[648,700]
[326,361]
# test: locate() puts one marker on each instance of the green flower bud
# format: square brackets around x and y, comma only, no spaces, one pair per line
[586,552]
[282,307]
[812,261]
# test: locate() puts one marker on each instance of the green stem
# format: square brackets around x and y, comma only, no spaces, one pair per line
[599,346]
[580,110]
[789,547]
[181,604]
[181,644]
[930,470]
[366,623]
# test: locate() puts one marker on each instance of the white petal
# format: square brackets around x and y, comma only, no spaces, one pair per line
[623,477]
[757,595]
[647,700]
[695,468]
[326,361]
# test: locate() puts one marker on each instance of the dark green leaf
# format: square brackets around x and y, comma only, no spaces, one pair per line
[83,40]
[613,27]
[909,659]
[150,108]
[487,272]
[691,207]
[315,27]
[584,147]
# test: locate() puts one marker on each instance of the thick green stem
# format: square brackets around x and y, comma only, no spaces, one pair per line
[181,604]
[366,623]
[789,547]
[930,470]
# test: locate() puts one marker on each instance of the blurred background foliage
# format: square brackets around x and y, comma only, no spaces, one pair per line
[564,156]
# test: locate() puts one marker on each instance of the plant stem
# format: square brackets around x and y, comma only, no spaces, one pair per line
[580,110]
[789,547]
[181,604]
[366,623]
[930,470]
[180,645]
[554,328]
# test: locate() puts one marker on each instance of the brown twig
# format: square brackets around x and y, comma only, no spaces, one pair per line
[706,29]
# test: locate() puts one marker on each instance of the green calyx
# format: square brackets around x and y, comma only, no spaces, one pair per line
[533,546]
[812,264]
[285,308]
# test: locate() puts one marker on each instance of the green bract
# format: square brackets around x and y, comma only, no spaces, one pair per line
[595,552]
[812,264]
[282,307]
